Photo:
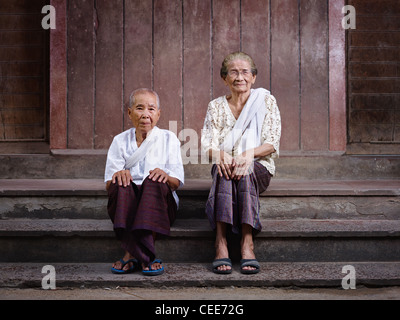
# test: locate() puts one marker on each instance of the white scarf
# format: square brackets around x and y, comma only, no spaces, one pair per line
[152,150]
[249,124]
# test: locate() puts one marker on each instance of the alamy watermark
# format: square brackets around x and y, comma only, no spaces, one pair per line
[49,280]
[349,281]
[49,20]
[349,21]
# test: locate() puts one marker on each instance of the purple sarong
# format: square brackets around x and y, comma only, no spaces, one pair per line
[137,212]
[237,202]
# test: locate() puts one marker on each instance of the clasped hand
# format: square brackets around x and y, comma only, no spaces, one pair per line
[124,178]
[235,167]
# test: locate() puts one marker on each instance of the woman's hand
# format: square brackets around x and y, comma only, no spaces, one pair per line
[158,175]
[243,164]
[123,178]
[224,162]
[161,176]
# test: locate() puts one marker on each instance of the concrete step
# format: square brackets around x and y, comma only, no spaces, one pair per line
[284,199]
[90,164]
[273,274]
[310,240]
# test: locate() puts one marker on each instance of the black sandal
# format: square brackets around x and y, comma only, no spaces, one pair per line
[222,262]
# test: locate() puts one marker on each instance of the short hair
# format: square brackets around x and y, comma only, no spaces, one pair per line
[143,90]
[237,56]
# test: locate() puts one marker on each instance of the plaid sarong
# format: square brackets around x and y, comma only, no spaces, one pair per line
[137,212]
[237,202]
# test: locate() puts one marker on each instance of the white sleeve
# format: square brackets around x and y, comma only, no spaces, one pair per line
[115,160]
[174,166]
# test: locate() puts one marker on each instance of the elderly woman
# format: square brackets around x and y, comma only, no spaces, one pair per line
[143,170]
[241,136]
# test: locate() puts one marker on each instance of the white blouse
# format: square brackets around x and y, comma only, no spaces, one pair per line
[124,145]
[220,121]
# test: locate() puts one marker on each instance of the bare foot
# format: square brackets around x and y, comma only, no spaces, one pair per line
[222,252]
[118,264]
[247,245]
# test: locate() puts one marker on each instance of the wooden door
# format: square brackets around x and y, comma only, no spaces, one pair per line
[23,72]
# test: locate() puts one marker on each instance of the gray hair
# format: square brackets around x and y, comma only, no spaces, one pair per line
[143,90]
[237,56]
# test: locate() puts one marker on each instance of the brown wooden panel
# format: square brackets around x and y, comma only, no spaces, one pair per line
[360,133]
[21,69]
[22,38]
[375,86]
[15,132]
[21,85]
[80,74]
[138,53]
[375,39]
[367,70]
[314,76]
[378,23]
[387,7]
[109,64]
[168,60]
[197,63]
[21,6]
[21,22]
[22,117]
[374,54]
[382,102]
[256,37]
[20,100]
[285,69]
[58,79]
[21,54]
[226,38]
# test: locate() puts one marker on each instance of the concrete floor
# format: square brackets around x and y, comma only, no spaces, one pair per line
[199,293]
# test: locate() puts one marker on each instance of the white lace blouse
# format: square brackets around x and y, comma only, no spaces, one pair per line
[220,121]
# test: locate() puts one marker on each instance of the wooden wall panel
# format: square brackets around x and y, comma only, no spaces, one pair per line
[23,79]
[80,74]
[374,78]
[168,60]
[285,78]
[176,47]
[138,49]
[109,72]
[225,37]
[255,17]
[314,75]
[197,63]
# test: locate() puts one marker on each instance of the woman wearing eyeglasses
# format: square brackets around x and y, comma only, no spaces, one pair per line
[241,136]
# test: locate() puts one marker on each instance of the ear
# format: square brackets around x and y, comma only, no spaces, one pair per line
[254,79]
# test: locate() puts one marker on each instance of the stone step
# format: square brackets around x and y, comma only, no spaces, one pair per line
[273,274]
[90,164]
[311,240]
[284,199]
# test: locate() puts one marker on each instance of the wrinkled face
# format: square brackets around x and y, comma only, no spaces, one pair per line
[144,114]
[239,78]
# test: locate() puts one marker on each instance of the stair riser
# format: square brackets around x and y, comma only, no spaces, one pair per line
[88,166]
[274,207]
[106,249]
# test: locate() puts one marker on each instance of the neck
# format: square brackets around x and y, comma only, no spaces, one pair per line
[140,137]
[238,100]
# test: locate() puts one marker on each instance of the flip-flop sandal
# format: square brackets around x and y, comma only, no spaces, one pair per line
[124,263]
[249,263]
[152,272]
[222,262]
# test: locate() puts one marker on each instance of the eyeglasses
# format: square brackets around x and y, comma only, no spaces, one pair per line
[235,73]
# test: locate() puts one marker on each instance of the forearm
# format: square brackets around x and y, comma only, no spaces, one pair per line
[263,150]
[173,183]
